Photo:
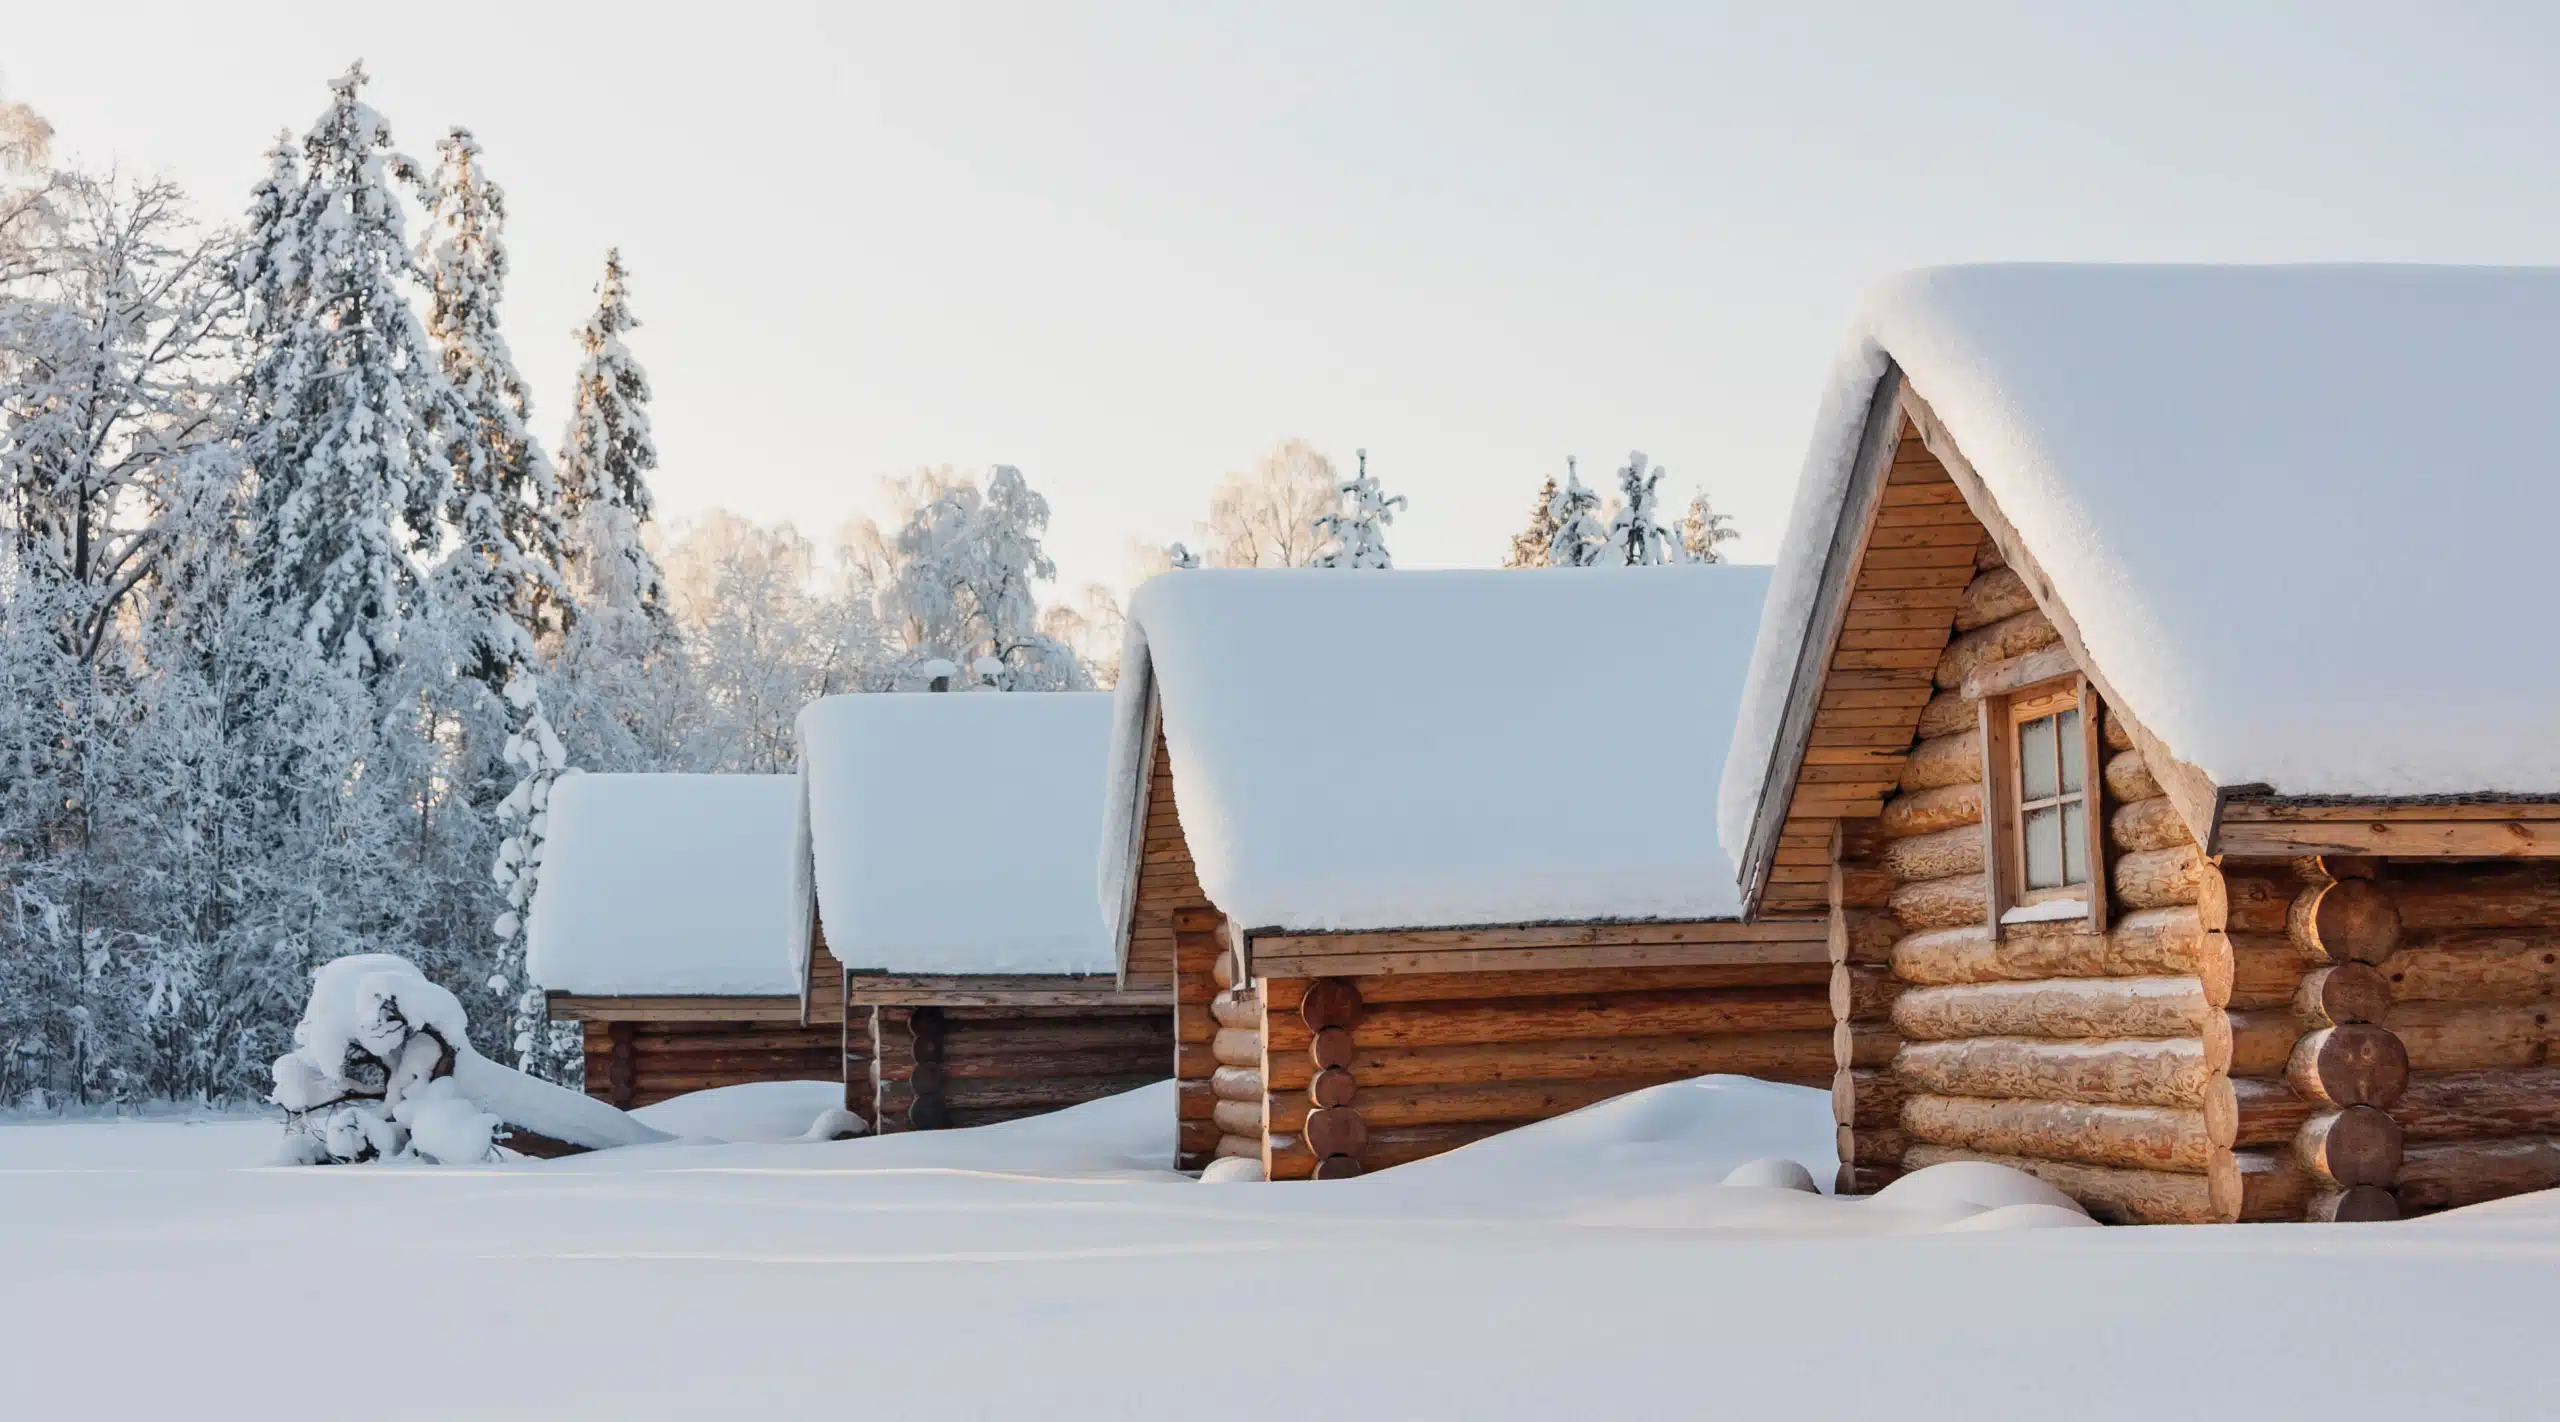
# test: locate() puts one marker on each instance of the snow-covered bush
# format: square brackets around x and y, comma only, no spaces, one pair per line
[382,1068]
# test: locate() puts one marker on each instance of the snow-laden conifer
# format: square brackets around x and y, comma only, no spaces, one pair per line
[1703,531]
[1529,546]
[605,460]
[1637,535]
[1577,539]
[1354,530]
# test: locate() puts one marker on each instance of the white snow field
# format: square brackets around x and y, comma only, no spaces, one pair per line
[1588,1267]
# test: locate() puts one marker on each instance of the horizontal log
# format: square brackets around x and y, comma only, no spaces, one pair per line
[1490,1101]
[1935,856]
[2168,1071]
[574,1007]
[2349,1066]
[2266,970]
[2342,921]
[1238,1047]
[2144,1137]
[2110,1008]
[2443,1175]
[1866,1097]
[2129,779]
[2262,1042]
[2255,902]
[2273,1186]
[1795,940]
[2477,1105]
[1996,594]
[976,1039]
[2465,1036]
[2148,824]
[1946,711]
[2112,1193]
[1863,936]
[1286,1157]
[1952,759]
[2342,1149]
[1613,1014]
[1863,994]
[1192,1023]
[2509,895]
[1195,1061]
[1402,1145]
[1799,1057]
[1882,1145]
[1194,1101]
[1863,1044]
[2158,878]
[1476,987]
[1152,1062]
[1860,885]
[2475,965]
[1238,1118]
[1195,1144]
[1239,1147]
[2004,641]
[2393,830]
[1941,903]
[1928,811]
[2268,1112]
[2150,943]
[1236,1084]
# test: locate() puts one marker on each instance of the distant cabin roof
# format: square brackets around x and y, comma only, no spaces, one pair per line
[672,886]
[2300,513]
[957,832]
[1407,749]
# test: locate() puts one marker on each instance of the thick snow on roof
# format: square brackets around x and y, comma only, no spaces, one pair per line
[2301,514]
[1405,749]
[672,885]
[957,833]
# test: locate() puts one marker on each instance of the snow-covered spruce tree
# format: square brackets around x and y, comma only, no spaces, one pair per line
[1578,540]
[1529,547]
[1355,529]
[1703,531]
[1637,535]
[963,585]
[605,459]
[497,588]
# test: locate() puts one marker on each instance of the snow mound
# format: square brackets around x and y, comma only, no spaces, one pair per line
[1232,1170]
[1773,1173]
[755,1111]
[2011,1217]
[1970,1185]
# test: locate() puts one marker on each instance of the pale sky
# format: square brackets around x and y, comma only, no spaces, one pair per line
[1127,247]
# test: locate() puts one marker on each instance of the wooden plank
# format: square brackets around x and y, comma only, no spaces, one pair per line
[2465,839]
[1530,935]
[569,1007]
[2002,677]
[1485,960]
[2317,811]
[954,997]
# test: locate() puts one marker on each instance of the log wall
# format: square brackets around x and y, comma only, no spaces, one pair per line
[938,1067]
[2099,1061]
[1330,1077]
[640,1063]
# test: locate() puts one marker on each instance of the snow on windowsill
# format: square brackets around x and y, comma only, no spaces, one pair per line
[2050,911]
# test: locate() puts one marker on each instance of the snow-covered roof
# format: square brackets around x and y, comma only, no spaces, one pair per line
[672,886]
[956,833]
[2300,514]
[1408,749]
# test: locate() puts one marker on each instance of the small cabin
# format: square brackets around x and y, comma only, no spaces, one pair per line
[953,839]
[2156,697]
[672,920]
[1425,856]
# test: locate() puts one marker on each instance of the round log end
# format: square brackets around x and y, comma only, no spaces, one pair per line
[1332,1086]
[928,1115]
[1336,1130]
[2346,921]
[2343,993]
[2357,1146]
[2361,1204]
[2354,1065]
[1337,1167]
[929,1078]
[1330,1002]
[1331,1047]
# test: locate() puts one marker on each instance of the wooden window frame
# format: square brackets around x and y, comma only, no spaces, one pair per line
[2004,809]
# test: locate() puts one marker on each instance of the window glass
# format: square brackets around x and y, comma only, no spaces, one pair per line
[2067,730]
[2075,841]
[2035,759]
[2044,846]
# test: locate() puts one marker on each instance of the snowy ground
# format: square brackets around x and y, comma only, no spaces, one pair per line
[1588,1267]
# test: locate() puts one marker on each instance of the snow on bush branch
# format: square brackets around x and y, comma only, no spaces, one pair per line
[382,1068]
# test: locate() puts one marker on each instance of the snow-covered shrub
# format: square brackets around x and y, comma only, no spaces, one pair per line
[382,1068]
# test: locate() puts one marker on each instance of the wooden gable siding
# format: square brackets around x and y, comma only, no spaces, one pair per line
[1912,568]
[824,995]
[1166,879]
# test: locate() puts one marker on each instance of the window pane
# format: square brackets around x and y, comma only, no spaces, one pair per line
[2044,848]
[2075,842]
[2035,759]
[2067,728]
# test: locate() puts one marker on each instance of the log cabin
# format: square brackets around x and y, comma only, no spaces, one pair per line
[1425,856]
[672,921]
[2154,699]
[953,838]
